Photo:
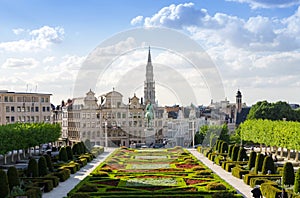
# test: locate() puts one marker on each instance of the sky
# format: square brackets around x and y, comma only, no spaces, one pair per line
[252,46]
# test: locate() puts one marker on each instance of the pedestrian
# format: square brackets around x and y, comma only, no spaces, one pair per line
[256,193]
[283,194]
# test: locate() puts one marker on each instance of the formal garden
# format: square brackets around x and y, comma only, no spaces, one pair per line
[273,164]
[172,172]
[39,172]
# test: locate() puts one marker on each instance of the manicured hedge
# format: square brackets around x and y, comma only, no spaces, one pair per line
[63,174]
[239,172]
[4,186]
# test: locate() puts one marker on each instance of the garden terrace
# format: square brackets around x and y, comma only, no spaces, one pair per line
[152,172]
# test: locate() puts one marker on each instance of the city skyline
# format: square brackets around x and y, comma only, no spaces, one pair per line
[253,44]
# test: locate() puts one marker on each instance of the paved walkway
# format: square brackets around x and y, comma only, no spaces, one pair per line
[238,184]
[64,187]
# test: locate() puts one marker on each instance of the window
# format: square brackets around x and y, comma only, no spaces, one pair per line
[28,109]
[5,98]
[98,133]
[48,109]
[124,115]
[83,115]
[7,109]
[65,114]
[44,109]
[12,118]
[7,119]
[32,109]
[47,99]
[42,100]
[12,109]
[18,108]
[36,109]
[11,99]
[32,118]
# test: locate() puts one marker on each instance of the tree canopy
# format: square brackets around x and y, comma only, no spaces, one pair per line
[273,111]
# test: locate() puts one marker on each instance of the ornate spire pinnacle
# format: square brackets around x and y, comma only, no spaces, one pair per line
[149,56]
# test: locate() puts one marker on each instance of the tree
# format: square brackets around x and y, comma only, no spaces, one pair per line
[4,186]
[32,170]
[224,133]
[49,162]
[268,165]
[42,166]
[272,111]
[63,156]
[69,153]
[288,176]
[13,177]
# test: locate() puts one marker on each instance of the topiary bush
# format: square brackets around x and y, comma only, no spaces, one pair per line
[42,166]
[223,195]
[252,158]
[32,170]
[235,153]
[4,186]
[268,165]
[63,156]
[297,182]
[49,162]
[13,177]
[224,147]
[215,186]
[242,155]
[75,149]
[69,153]
[259,162]
[288,177]
[88,188]
[230,149]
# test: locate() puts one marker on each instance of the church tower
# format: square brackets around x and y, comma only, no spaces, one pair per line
[239,101]
[149,84]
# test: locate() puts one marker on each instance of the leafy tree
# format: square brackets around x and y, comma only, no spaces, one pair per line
[272,111]
[13,177]
[224,135]
[42,166]
[32,170]
[288,176]
[4,186]
[63,156]
[268,165]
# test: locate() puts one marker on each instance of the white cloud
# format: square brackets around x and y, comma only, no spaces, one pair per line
[48,59]
[25,63]
[137,20]
[18,31]
[40,39]
[269,4]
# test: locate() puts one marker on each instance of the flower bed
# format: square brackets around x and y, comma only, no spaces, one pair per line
[155,172]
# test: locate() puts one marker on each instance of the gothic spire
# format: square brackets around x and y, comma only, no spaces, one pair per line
[149,56]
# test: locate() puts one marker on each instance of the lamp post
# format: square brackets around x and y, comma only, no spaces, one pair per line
[193,128]
[105,131]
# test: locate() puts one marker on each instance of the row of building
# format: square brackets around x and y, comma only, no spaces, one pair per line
[108,121]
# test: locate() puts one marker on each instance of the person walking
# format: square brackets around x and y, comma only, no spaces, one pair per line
[256,193]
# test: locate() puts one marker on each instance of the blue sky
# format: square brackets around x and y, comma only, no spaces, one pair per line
[253,43]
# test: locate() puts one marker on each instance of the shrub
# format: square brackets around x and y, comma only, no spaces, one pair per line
[80,195]
[268,165]
[34,192]
[63,175]
[75,149]
[203,172]
[32,170]
[297,182]
[215,186]
[84,149]
[230,149]
[13,177]
[259,162]
[100,174]
[235,153]
[4,186]
[63,156]
[88,188]
[49,162]
[242,155]
[251,162]
[69,153]
[238,172]
[218,145]
[54,179]
[42,165]
[224,147]
[288,176]
[223,195]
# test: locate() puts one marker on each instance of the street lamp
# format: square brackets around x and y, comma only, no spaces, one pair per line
[105,131]
[193,128]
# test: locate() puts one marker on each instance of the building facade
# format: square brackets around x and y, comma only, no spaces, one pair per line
[24,107]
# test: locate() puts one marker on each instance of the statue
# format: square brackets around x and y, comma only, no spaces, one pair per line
[149,113]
